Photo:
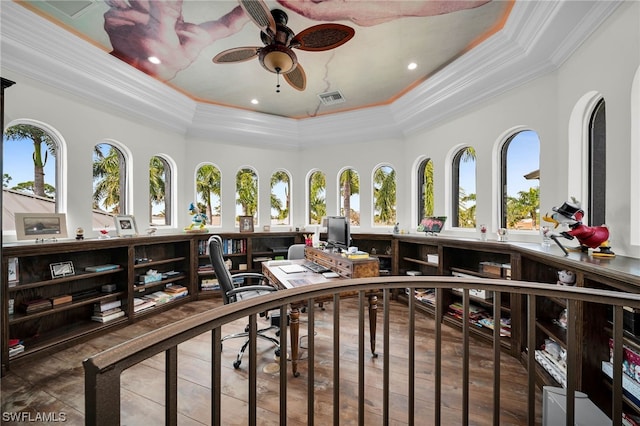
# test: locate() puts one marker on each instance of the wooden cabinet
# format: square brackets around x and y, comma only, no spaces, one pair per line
[64,292]
[345,267]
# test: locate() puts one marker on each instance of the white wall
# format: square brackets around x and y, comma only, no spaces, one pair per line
[606,63]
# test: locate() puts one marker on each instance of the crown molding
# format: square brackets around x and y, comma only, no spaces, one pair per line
[538,37]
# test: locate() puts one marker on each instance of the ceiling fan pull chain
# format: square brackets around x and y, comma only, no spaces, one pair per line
[277,80]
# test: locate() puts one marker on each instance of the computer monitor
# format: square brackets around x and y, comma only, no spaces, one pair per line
[338,234]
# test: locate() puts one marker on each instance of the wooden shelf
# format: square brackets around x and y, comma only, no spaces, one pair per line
[62,280]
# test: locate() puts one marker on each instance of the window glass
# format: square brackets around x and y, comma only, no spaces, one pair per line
[350,196]
[159,191]
[317,197]
[384,196]
[280,198]
[208,193]
[109,180]
[464,188]
[520,180]
[597,166]
[246,194]
[425,189]
[29,172]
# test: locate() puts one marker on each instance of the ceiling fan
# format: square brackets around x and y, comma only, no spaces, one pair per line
[277,55]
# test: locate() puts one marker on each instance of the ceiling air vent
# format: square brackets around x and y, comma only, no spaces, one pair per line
[72,8]
[331,98]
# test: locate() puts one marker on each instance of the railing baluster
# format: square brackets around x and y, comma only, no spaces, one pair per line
[253,366]
[311,344]
[437,409]
[497,328]
[411,352]
[386,359]
[336,359]
[171,386]
[572,350]
[284,319]
[531,359]
[361,358]
[465,356]
[616,408]
[216,376]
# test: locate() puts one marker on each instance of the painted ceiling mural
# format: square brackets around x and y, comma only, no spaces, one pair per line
[368,70]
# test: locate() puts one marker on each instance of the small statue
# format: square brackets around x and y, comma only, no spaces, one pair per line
[594,237]
[198,220]
[79,233]
[566,277]
[396,228]
[104,234]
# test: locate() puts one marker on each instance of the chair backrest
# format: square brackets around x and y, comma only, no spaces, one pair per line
[296,251]
[222,273]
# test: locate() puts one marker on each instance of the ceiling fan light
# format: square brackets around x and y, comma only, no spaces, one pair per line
[278,59]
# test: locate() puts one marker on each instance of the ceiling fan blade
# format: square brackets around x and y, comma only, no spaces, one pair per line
[237,54]
[260,15]
[296,78]
[323,37]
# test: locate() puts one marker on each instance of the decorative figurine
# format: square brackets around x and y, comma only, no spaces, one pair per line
[594,237]
[567,278]
[198,220]
[396,228]
[104,234]
[79,233]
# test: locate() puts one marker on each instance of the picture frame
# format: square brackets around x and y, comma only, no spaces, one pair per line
[34,226]
[61,269]
[13,271]
[125,226]
[246,223]
[432,224]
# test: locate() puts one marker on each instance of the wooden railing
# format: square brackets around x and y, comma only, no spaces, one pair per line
[103,371]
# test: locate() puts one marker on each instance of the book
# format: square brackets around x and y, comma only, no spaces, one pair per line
[107,318]
[105,306]
[36,305]
[101,268]
[358,255]
[61,300]
[104,313]
[15,350]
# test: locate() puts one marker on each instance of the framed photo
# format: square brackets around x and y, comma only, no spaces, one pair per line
[246,223]
[61,269]
[32,226]
[125,226]
[432,224]
[13,271]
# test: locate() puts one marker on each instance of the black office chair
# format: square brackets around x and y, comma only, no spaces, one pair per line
[238,287]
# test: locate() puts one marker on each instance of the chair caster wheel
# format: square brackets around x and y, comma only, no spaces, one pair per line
[236,364]
[278,333]
[277,352]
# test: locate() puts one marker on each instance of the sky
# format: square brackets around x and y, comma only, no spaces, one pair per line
[22,170]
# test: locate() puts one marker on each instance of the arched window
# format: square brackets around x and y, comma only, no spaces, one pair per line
[463,206]
[246,193]
[425,189]
[109,180]
[350,195]
[31,177]
[317,197]
[384,196]
[280,198]
[521,189]
[208,184]
[160,191]
[597,166]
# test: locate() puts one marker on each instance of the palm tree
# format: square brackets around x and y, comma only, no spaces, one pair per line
[384,195]
[106,178]
[317,202]
[428,189]
[208,183]
[276,203]
[349,185]
[525,206]
[157,188]
[247,191]
[38,136]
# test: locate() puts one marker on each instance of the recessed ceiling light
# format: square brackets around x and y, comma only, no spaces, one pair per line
[154,60]
[412,66]
[254,101]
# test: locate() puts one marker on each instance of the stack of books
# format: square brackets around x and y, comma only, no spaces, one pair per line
[159,297]
[106,311]
[176,291]
[102,268]
[15,347]
[476,313]
[140,304]
[210,284]
[35,305]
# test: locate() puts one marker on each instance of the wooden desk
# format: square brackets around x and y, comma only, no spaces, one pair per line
[347,268]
